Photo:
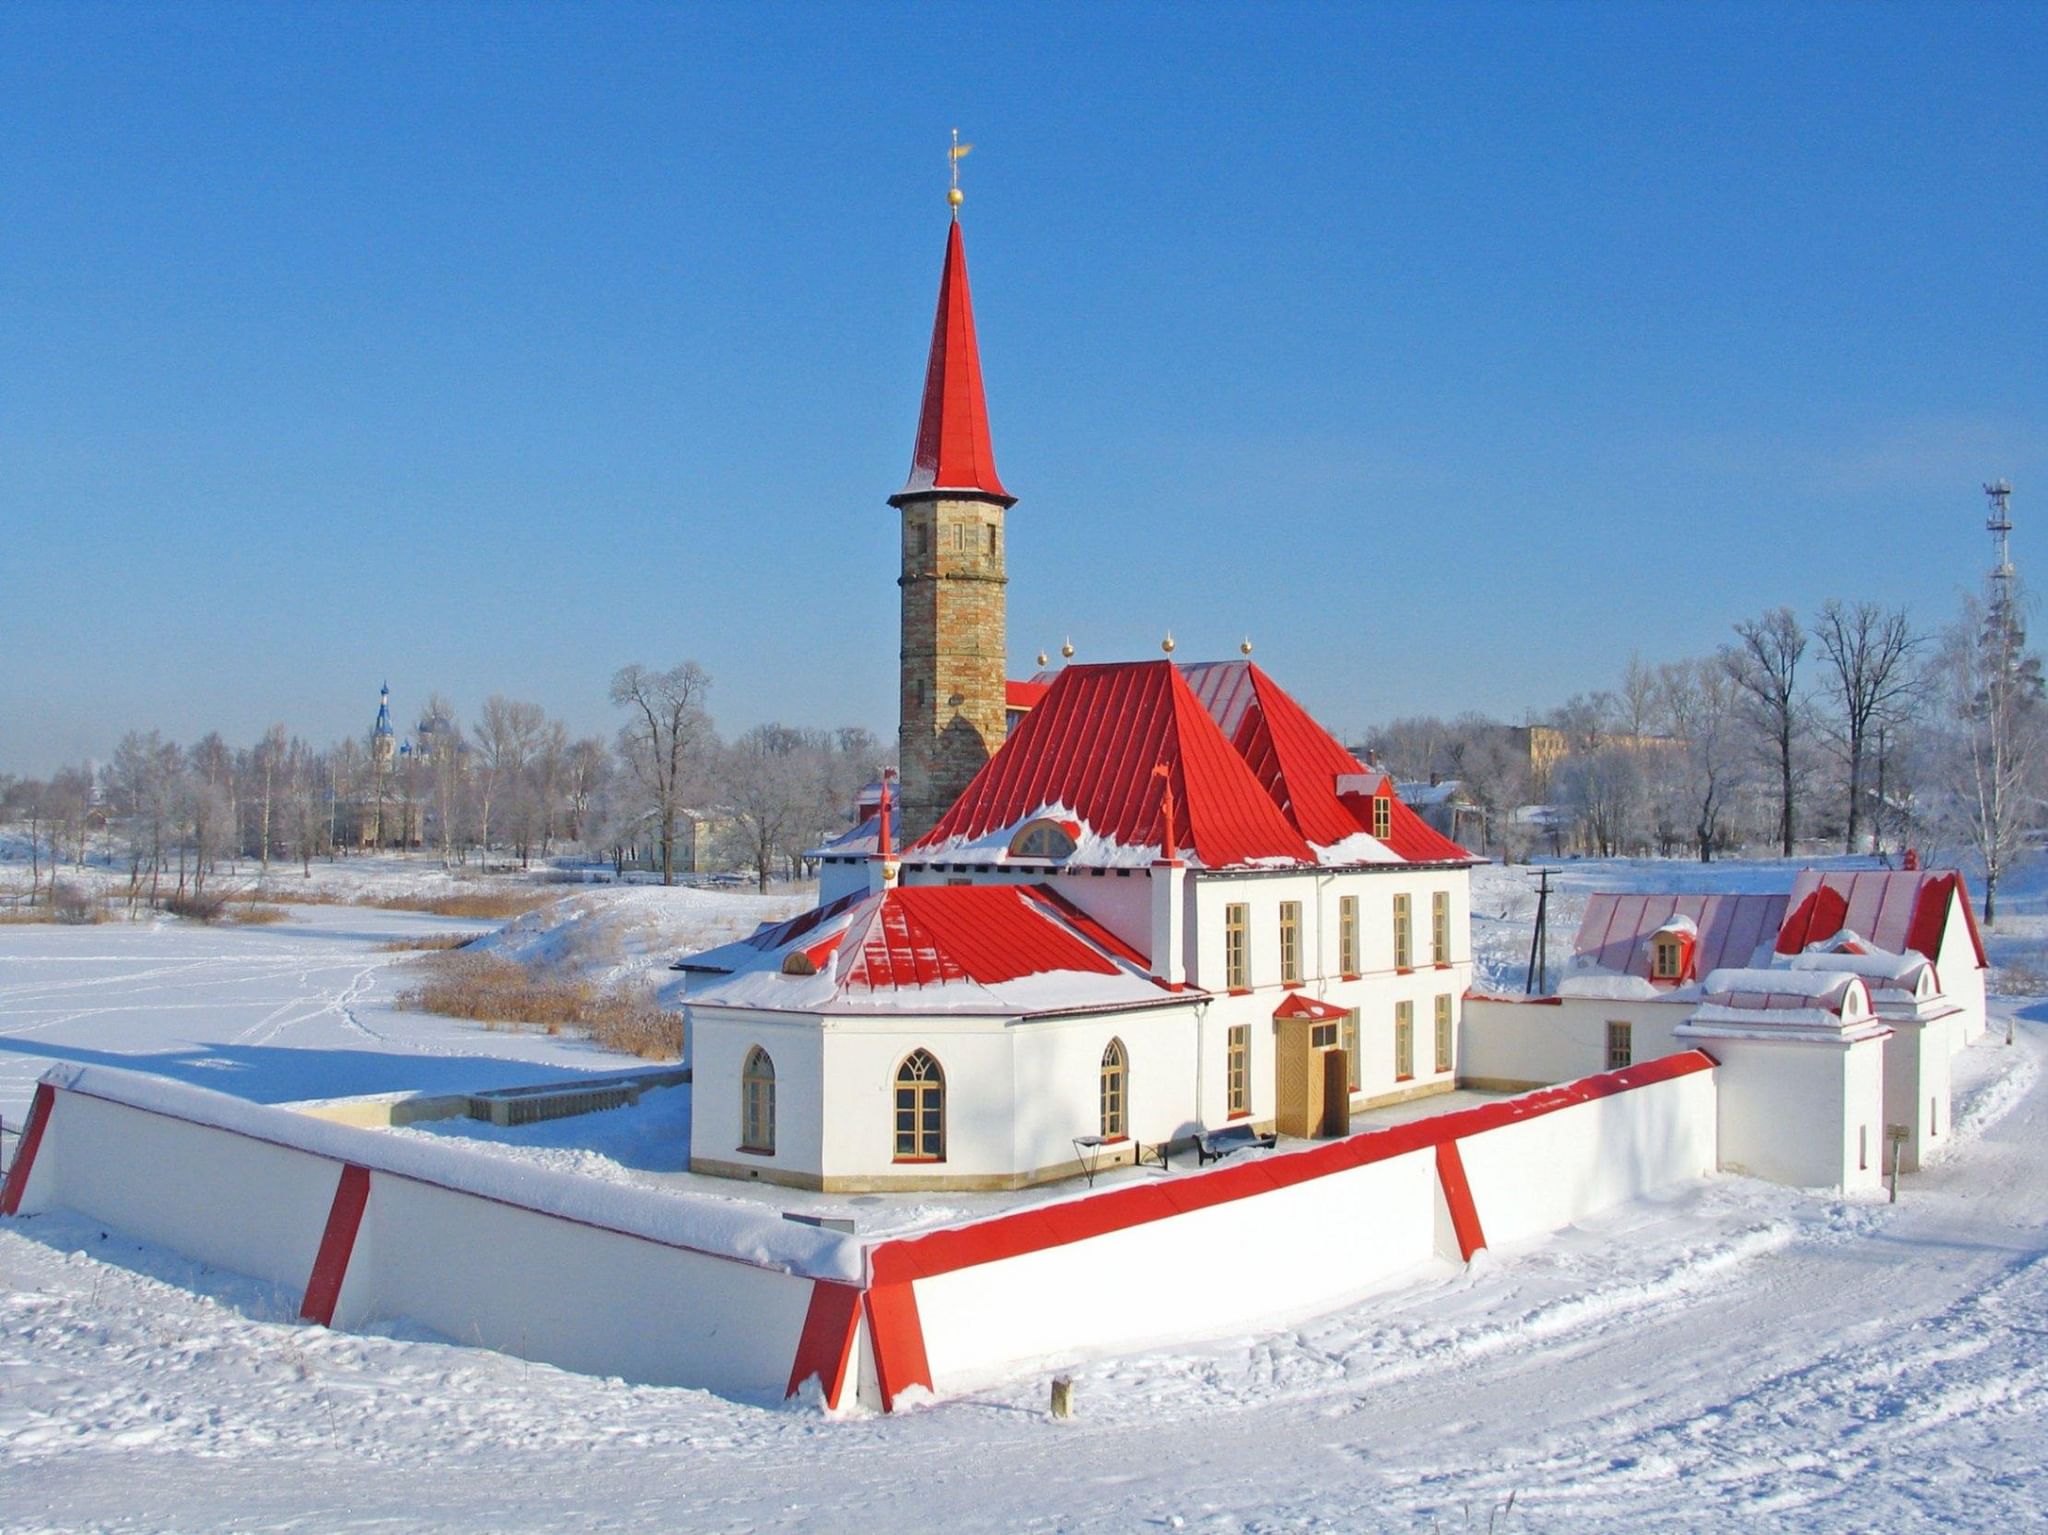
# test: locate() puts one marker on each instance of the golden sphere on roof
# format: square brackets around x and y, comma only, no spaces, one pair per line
[1167,643]
[1246,647]
[1041,658]
[1067,650]
[954,196]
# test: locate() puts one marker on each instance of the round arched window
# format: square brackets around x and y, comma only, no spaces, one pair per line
[1044,838]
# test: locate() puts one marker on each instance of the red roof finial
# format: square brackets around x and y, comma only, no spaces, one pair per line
[953,451]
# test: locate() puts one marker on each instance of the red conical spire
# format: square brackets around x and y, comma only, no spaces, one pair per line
[953,451]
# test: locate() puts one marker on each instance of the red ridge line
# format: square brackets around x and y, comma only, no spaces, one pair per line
[1009,1236]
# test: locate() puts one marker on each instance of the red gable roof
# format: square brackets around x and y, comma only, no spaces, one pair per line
[1301,1005]
[1896,910]
[1023,695]
[953,450]
[1091,745]
[1254,779]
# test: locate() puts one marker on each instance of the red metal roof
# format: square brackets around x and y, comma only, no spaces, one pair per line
[1091,746]
[920,935]
[1254,778]
[1301,1005]
[1024,695]
[953,450]
[1897,910]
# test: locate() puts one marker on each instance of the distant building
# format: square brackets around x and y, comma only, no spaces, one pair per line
[1447,805]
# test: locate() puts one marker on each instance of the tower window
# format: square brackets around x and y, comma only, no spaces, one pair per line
[993,534]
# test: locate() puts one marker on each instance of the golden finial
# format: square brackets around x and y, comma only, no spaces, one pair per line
[1167,643]
[1041,660]
[1067,648]
[955,155]
[1245,646]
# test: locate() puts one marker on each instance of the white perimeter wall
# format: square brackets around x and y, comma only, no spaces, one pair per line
[1541,1174]
[1262,1260]
[223,1199]
[1288,1253]
[596,1301]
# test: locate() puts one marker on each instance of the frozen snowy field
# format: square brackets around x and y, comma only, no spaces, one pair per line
[1734,1356]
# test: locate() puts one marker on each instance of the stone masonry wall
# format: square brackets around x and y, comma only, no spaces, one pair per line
[954,651]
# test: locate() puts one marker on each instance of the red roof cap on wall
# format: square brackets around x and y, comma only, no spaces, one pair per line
[953,451]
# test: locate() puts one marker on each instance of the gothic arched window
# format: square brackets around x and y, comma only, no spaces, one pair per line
[757,1102]
[1116,1099]
[920,1109]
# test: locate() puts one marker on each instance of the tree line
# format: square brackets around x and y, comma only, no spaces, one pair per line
[510,785]
[1851,728]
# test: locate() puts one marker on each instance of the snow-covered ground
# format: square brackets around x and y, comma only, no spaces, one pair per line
[1732,1356]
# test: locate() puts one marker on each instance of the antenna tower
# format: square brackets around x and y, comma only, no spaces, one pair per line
[1999,525]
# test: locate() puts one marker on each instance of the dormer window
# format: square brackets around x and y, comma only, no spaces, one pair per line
[1667,959]
[1043,838]
[1382,816]
[797,962]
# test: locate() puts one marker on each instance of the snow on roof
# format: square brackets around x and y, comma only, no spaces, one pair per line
[1879,970]
[1733,929]
[854,842]
[1777,987]
[1005,949]
[1254,781]
[1768,1003]
[1897,909]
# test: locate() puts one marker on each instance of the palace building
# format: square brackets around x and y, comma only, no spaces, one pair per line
[1166,903]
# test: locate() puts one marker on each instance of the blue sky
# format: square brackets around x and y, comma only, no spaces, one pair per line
[1451,352]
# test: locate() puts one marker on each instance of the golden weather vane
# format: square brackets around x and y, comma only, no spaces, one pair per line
[958,152]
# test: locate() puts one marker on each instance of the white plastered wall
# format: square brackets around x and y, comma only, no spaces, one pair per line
[1524,1043]
[600,1302]
[1805,1112]
[1540,1174]
[1263,1260]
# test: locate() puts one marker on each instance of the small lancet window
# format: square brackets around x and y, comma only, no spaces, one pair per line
[757,1102]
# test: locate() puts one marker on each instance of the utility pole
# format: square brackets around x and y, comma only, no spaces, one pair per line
[1538,979]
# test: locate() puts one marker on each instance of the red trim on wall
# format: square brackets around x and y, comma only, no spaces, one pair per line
[1076,1220]
[1450,1173]
[826,1343]
[330,1265]
[24,1162]
[897,1334]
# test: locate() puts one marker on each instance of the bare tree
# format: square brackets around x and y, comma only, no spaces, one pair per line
[269,765]
[772,779]
[1697,704]
[1765,667]
[664,742]
[1871,682]
[1994,695]
[506,736]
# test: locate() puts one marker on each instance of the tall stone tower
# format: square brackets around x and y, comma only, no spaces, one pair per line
[954,647]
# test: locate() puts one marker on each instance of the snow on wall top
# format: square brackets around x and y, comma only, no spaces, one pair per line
[717,1227]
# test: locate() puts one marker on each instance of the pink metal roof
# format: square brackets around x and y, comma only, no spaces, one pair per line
[1896,910]
[953,451]
[1616,929]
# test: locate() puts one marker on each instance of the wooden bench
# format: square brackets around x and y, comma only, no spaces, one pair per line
[1215,1145]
